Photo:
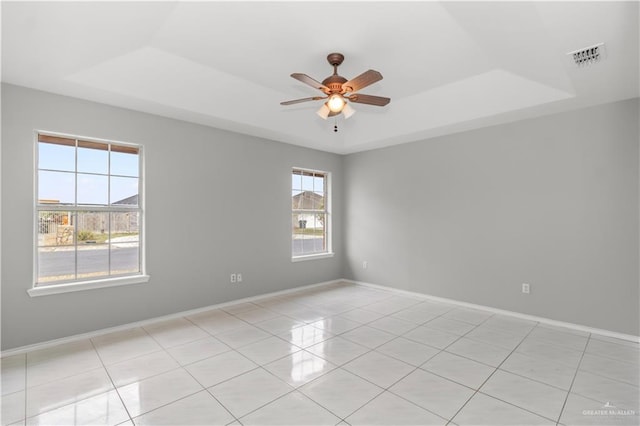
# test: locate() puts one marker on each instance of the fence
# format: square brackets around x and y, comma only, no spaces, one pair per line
[60,226]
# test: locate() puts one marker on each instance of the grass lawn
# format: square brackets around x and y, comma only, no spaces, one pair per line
[97,238]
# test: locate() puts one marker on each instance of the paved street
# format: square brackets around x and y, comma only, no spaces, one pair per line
[62,262]
[94,260]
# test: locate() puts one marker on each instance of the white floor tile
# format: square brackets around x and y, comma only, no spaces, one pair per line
[440,396]
[142,367]
[103,409]
[268,350]
[219,368]
[13,373]
[47,365]
[494,337]
[560,338]
[485,410]
[458,369]
[384,307]
[13,407]
[605,390]
[392,325]
[551,352]
[618,370]
[329,391]
[333,308]
[564,329]
[292,409]
[432,337]
[414,315]
[239,307]
[257,315]
[242,336]
[336,325]
[368,336]
[175,332]
[149,394]
[361,315]
[123,345]
[66,391]
[279,325]
[540,369]
[305,336]
[307,314]
[472,316]
[247,392]
[299,368]
[581,411]
[509,324]
[389,409]
[406,350]
[620,352]
[378,368]
[198,350]
[216,321]
[197,410]
[450,325]
[338,350]
[536,397]
[607,339]
[350,343]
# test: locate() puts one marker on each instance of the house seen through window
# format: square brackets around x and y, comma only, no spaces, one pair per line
[309,213]
[88,210]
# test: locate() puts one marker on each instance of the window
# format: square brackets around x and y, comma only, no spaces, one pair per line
[88,211]
[310,214]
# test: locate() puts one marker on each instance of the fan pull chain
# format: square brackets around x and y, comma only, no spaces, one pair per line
[335,125]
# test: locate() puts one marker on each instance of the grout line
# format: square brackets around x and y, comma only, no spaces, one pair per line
[327,315]
[387,389]
[489,377]
[566,398]
[126,409]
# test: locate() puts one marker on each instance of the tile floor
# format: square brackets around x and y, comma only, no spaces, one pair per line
[340,354]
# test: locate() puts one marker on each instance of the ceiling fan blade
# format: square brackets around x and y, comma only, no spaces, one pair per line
[310,81]
[363,80]
[369,99]
[297,101]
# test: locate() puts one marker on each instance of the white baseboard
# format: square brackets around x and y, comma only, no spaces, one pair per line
[43,345]
[572,326]
[83,336]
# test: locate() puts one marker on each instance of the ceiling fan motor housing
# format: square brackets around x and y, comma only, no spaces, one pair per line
[334,83]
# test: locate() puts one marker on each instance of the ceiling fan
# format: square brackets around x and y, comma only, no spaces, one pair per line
[339,90]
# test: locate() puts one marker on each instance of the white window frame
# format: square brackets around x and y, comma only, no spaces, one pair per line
[67,286]
[327,212]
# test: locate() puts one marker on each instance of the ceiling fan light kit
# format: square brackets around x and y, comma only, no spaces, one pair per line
[339,90]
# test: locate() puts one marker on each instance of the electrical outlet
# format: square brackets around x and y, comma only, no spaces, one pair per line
[239,277]
[526,288]
[365,264]
[233,278]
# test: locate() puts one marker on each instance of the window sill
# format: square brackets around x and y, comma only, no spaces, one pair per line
[86,285]
[311,257]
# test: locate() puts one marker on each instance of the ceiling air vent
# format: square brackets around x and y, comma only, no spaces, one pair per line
[588,55]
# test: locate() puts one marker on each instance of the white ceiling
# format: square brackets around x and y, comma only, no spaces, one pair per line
[447,66]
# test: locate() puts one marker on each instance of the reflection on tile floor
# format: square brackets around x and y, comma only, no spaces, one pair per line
[338,354]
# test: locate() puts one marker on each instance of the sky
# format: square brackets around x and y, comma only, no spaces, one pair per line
[57,174]
[301,183]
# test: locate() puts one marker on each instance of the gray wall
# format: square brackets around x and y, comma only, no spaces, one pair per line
[551,201]
[194,175]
